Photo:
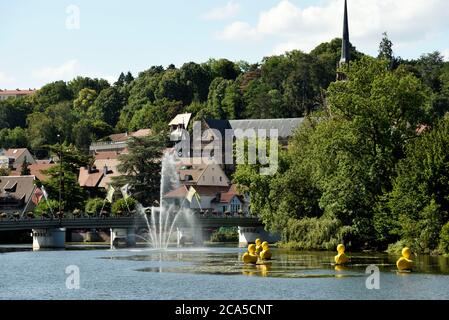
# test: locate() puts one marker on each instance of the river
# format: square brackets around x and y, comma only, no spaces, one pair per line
[211,273]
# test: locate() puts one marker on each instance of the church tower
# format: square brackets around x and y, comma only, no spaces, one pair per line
[345,45]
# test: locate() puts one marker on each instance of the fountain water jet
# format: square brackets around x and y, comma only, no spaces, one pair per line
[164,218]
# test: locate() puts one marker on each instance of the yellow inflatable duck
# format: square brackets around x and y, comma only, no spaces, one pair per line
[404,263]
[250,256]
[266,252]
[258,246]
[341,258]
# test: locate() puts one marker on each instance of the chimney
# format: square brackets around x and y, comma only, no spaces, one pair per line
[105,170]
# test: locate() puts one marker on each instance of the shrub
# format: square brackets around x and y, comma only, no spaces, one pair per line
[444,239]
[93,206]
[225,235]
[46,207]
[123,206]
[314,234]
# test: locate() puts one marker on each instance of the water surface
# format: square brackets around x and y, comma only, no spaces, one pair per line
[212,273]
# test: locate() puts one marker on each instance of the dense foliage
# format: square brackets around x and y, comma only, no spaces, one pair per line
[365,170]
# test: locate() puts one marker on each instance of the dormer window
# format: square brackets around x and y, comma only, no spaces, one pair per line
[10,187]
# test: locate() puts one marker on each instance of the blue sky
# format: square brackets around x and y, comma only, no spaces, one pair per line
[37,46]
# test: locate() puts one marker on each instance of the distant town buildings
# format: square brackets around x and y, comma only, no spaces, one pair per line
[6,94]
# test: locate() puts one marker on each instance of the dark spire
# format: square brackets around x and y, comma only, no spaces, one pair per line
[345,46]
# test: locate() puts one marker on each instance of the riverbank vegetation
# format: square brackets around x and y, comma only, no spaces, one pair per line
[370,169]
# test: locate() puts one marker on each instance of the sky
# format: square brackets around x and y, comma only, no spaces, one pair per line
[49,40]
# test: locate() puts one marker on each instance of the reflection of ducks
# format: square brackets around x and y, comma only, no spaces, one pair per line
[340,268]
[341,258]
[248,271]
[250,256]
[264,269]
[266,252]
[404,263]
[258,246]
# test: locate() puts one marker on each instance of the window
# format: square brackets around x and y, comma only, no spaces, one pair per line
[221,179]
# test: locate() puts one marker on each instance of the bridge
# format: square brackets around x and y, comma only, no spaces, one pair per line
[50,233]
[122,222]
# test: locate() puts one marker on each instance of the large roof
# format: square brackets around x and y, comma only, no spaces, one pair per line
[285,127]
[14,153]
[36,170]
[18,188]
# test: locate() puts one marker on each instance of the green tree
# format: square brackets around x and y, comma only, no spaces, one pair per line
[419,199]
[107,106]
[86,98]
[25,171]
[141,167]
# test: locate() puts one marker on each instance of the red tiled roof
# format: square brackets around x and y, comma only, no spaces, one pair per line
[87,179]
[16,92]
[36,170]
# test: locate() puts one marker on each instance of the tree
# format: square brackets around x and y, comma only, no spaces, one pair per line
[80,83]
[386,48]
[107,106]
[419,199]
[25,171]
[86,98]
[52,93]
[141,168]
[64,176]
[223,68]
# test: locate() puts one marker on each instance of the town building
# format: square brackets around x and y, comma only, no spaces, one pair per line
[117,142]
[18,195]
[14,158]
[6,94]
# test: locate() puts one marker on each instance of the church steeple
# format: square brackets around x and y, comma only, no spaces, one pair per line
[345,45]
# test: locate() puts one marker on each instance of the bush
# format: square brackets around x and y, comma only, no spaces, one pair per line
[93,206]
[314,234]
[444,239]
[46,207]
[122,206]
[225,235]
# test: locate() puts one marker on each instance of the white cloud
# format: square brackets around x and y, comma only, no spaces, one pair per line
[239,31]
[5,80]
[66,71]
[292,26]
[230,10]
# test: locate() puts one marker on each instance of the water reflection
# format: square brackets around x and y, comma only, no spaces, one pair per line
[286,264]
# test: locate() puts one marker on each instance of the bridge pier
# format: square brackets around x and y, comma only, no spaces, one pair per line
[128,236]
[48,238]
[249,235]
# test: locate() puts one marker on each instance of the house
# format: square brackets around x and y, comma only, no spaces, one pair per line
[216,200]
[178,124]
[215,191]
[15,158]
[100,174]
[18,194]
[6,94]
[117,142]
[202,174]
